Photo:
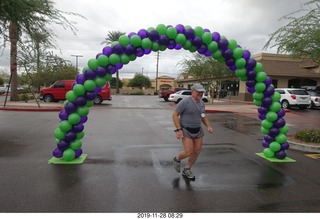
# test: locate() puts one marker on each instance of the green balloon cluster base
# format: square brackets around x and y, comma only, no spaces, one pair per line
[273,159]
[78,160]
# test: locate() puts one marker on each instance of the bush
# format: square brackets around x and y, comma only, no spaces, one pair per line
[137,93]
[311,136]
[24,97]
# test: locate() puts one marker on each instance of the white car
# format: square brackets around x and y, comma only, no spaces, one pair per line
[294,97]
[180,95]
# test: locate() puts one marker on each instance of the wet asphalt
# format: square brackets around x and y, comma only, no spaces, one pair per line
[130,145]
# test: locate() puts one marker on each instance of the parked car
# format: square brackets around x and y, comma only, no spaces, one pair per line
[315,99]
[58,91]
[180,95]
[165,94]
[294,97]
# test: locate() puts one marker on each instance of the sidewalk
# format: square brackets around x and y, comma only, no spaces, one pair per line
[30,106]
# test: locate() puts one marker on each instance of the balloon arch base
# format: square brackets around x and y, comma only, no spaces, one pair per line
[273,159]
[78,160]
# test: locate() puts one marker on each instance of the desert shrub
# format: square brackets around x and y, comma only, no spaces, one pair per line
[311,135]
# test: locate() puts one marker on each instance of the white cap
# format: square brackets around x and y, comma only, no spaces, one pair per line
[198,87]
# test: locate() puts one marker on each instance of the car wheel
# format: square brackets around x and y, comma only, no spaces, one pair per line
[311,106]
[285,104]
[97,100]
[48,98]
[205,100]
[178,100]
[166,98]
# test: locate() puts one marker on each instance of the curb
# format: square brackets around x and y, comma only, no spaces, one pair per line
[31,109]
[304,147]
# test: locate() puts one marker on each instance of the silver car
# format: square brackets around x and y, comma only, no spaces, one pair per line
[180,95]
[294,97]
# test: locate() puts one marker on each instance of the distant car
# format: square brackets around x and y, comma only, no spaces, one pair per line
[315,99]
[294,97]
[180,95]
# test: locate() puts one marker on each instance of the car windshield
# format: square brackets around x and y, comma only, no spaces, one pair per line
[314,93]
[298,92]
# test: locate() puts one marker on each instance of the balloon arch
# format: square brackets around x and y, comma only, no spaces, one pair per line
[112,58]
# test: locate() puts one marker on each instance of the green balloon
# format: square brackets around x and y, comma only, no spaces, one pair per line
[124,59]
[258,67]
[237,53]
[150,28]
[198,31]
[108,77]
[89,85]
[180,39]
[135,40]
[76,144]
[266,124]
[146,43]
[193,49]
[100,81]
[71,96]
[284,129]
[85,69]
[232,44]
[260,87]
[257,102]
[89,103]
[171,32]
[241,72]
[281,138]
[268,153]
[162,47]
[264,131]
[103,60]
[276,96]
[271,116]
[93,64]
[241,63]
[162,29]
[275,106]
[114,59]
[274,146]
[213,46]
[187,45]
[80,135]
[59,134]
[124,40]
[74,118]
[114,43]
[69,154]
[257,96]
[221,59]
[133,57]
[65,126]
[261,76]
[155,46]
[78,89]
[217,54]
[207,38]
[243,78]
[83,110]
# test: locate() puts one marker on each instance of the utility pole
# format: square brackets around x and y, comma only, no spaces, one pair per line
[77,60]
[157,71]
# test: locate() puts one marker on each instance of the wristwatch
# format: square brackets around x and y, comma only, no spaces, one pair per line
[176,130]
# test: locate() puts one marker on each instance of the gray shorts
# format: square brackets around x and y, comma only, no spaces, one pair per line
[187,133]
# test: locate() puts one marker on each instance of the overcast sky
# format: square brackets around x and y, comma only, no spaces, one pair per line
[249,22]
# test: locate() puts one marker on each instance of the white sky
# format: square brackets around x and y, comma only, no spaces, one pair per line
[249,22]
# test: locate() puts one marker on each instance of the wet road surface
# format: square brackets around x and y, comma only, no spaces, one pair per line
[130,145]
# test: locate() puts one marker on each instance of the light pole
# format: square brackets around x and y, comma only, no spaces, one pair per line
[142,70]
[77,60]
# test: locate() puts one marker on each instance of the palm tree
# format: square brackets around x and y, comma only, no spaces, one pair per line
[111,37]
[27,16]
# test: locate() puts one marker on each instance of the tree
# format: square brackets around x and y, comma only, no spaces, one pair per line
[140,81]
[301,36]
[113,36]
[28,16]
[113,83]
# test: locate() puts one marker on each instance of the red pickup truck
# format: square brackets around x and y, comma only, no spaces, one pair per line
[166,93]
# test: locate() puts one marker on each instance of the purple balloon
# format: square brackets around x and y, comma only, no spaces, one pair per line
[189,33]
[229,62]
[268,91]
[143,33]
[117,49]
[208,53]
[223,44]
[262,116]
[147,51]
[251,90]
[172,44]
[251,75]
[80,101]
[97,89]
[265,144]
[129,49]
[268,81]
[280,154]
[107,50]
[180,28]
[216,36]
[250,83]
[78,128]
[227,54]
[281,113]
[178,47]
[57,153]
[203,49]
[251,63]
[139,52]
[267,101]
[70,136]
[63,115]
[164,40]
[131,34]
[279,123]
[274,132]
[78,153]
[119,66]
[101,71]
[70,107]
[197,41]
[284,146]
[90,95]
[205,30]
[90,74]
[80,78]
[112,69]
[98,55]
[63,145]
[153,35]
[83,119]
[233,68]
[246,55]
[268,138]
[262,110]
